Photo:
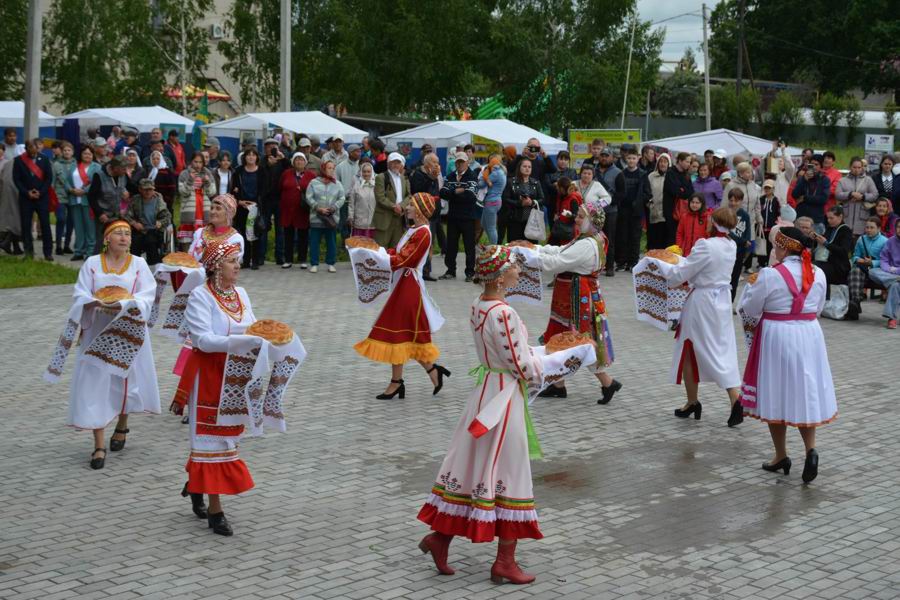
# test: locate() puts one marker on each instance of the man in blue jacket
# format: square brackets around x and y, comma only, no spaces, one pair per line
[33,175]
[811,193]
[460,191]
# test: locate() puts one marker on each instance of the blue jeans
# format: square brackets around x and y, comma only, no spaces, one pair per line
[64,225]
[892,283]
[489,222]
[84,229]
[315,238]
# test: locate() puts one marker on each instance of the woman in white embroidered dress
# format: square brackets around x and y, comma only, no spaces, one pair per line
[221,215]
[788,379]
[216,310]
[98,397]
[484,488]
[705,348]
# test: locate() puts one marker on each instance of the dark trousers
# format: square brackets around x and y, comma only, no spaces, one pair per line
[671,231]
[609,229]
[148,241]
[457,227]
[437,233]
[736,273]
[302,236]
[516,231]
[27,208]
[65,226]
[628,239]
[273,220]
[656,236]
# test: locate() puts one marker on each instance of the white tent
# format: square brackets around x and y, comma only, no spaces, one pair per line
[12,114]
[443,134]
[309,122]
[730,141]
[142,118]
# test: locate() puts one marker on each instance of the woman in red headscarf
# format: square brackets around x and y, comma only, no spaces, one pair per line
[404,327]
[787,380]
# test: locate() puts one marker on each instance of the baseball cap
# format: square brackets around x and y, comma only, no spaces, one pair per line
[352,147]
[146,184]
[461,156]
[270,141]
[726,176]
[337,138]
[304,142]
[720,153]
[606,150]
[117,161]
[211,141]
[99,141]
[769,183]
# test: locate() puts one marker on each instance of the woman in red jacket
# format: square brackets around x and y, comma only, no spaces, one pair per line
[692,225]
[563,230]
[294,212]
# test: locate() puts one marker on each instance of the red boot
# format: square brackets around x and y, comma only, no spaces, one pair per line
[505,566]
[439,545]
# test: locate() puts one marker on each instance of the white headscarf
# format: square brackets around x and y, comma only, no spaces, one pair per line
[162,165]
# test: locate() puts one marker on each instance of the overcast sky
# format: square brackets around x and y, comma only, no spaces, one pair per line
[681,31]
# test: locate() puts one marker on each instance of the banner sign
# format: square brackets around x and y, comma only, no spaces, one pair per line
[580,141]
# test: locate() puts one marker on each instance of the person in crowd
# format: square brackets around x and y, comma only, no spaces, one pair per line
[788,380]
[474,165]
[10,222]
[347,172]
[866,256]
[33,177]
[460,190]
[129,141]
[811,193]
[286,144]
[886,216]
[693,225]
[408,319]
[212,146]
[380,158]
[656,218]
[12,148]
[562,231]
[324,196]
[887,184]
[249,188]
[610,176]
[133,170]
[705,348]
[719,163]
[337,154]
[295,212]
[102,155]
[597,146]
[709,187]
[492,181]
[744,181]
[392,194]
[833,249]
[551,190]
[631,212]
[115,135]
[725,178]
[676,191]
[740,235]
[590,189]
[834,176]
[157,146]
[196,188]
[784,170]
[695,168]
[362,202]
[887,273]
[163,178]
[523,193]
[223,175]
[647,163]
[509,156]
[148,217]
[856,193]
[541,166]
[770,211]
[427,179]
[65,222]
[156,137]
[175,153]
[787,215]
[78,182]
[305,146]
[276,163]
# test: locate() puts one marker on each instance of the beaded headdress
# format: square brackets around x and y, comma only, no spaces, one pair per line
[493,261]
[424,203]
[215,252]
[228,202]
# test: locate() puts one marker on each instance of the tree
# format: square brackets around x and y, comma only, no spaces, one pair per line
[252,54]
[181,42]
[785,113]
[853,115]
[733,111]
[827,111]
[14,16]
[679,94]
[890,117]
[123,69]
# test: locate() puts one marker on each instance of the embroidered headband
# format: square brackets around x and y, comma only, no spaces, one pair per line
[215,252]
[424,203]
[788,243]
[228,202]
[493,262]
[113,225]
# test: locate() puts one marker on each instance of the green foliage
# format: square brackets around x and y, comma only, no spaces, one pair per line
[102,54]
[680,94]
[890,117]
[181,42]
[14,17]
[251,52]
[827,111]
[785,112]
[16,273]
[731,111]
[853,115]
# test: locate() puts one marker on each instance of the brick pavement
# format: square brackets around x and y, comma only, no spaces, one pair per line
[633,502]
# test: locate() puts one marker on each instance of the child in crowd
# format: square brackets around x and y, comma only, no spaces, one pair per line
[692,225]
[770,207]
[740,234]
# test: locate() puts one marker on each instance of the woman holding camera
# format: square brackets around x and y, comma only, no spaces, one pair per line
[523,194]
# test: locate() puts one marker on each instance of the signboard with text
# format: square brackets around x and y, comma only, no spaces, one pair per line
[877,145]
[580,141]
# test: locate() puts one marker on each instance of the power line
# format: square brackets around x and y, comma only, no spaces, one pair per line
[813,50]
[687,14]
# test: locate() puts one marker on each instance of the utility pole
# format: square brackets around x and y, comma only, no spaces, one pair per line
[706,69]
[285,99]
[628,71]
[33,68]
[740,51]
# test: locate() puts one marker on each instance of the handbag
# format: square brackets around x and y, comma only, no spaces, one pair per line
[836,306]
[328,221]
[534,228]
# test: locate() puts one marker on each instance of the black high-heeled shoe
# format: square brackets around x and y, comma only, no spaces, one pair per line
[401,390]
[197,504]
[608,392]
[97,463]
[219,524]
[442,372]
[784,463]
[116,445]
[554,391]
[737,414]
[811,466]
[695,409]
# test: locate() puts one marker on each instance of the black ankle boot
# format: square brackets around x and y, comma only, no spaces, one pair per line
[197,504]
[219,524]
[608,392]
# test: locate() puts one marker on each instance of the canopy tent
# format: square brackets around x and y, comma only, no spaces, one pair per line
[12,114]
[309,122]
[725,139]
[142,118]
[443,134]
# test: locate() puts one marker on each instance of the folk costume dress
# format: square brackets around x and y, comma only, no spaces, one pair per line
[577,303]
[409,317]
[788,380]
[114,370]
[484,488]
[705,334]
[213,466]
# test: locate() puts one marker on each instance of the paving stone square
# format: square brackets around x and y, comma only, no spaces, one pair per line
[634,503]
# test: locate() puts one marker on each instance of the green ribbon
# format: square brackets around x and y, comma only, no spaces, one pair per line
[534,445]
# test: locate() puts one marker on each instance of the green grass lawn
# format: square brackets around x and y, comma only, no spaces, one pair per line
[16,272]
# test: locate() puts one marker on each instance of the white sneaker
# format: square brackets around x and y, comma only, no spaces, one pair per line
[331,269]
[304,266]
[286,266]
[314,269]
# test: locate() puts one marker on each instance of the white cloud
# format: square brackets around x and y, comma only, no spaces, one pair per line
[682,30]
